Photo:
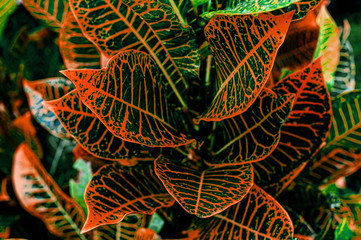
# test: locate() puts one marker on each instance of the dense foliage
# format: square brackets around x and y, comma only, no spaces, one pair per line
[177,119]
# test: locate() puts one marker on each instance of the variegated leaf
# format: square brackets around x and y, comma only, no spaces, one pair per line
[240,7]
[146,25]
[327,168]
[257,216]
[129,99]
[6,8]
[204,193]
[91,133]
[254,134]
[244,61]
[125,230]
[346,123]
[301,8]
[328,45]
[51,13]
[304,130]
[47,89]
[302,230]
[116,191]
[41,196]
[77,51]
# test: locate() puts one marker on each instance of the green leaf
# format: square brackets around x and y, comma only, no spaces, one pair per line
[77,187]
[47,89]
[116,191]
[257,216]
[146,25]
[343,232]
[204,193]
[241,7]
[328,45]
[77,51]
[301,8]
[49,12]
[254,134]
[6,8]
[43,198]
[156,223]
[92,134]
[243,61]
[346,123]
[128,98]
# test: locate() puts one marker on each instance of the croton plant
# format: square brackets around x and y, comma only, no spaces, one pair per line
[177,119]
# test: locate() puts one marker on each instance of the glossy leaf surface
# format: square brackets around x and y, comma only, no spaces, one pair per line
[6,8]
[240,7]
[327,168]
[301,8]
[243,61]
[145,25]
[257,216]
[254,134]
[346,123]
[129,99]
[204,193]
[77,51]
[51,13]
[42,197]
[47,89]
[305,128]
[328,46]
[116,191]
[91,133]
[125,230]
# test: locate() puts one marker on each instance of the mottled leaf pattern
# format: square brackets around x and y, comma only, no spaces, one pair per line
[254,134]
[204,193]
[327,168]
[346,122]
[305,128]
[128,98]
[77,51]
[145,25]
[125,230]
[47,89]
[51,13]
[257,216]
[6,8]
[116,191]
[91,133]
[241,7]
[244,61]
[301,8]
[328,46]
[41,196]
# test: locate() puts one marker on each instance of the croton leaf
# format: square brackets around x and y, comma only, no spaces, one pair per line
[240,7]
[244,61]
[346,123]
[343,231]
[6,8]
[128,98]
[47,89]
[346,70]
[77,51]
[257,216]
[124,230]
[299,46]
[116,191]
[328,45]
[146,25]
[301,8]
[51,13]
[204,193]
[305,128]
[184,10]
[254,134]
[351,208]
[327,168]
[302,230]
[42,197]
[91,133]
